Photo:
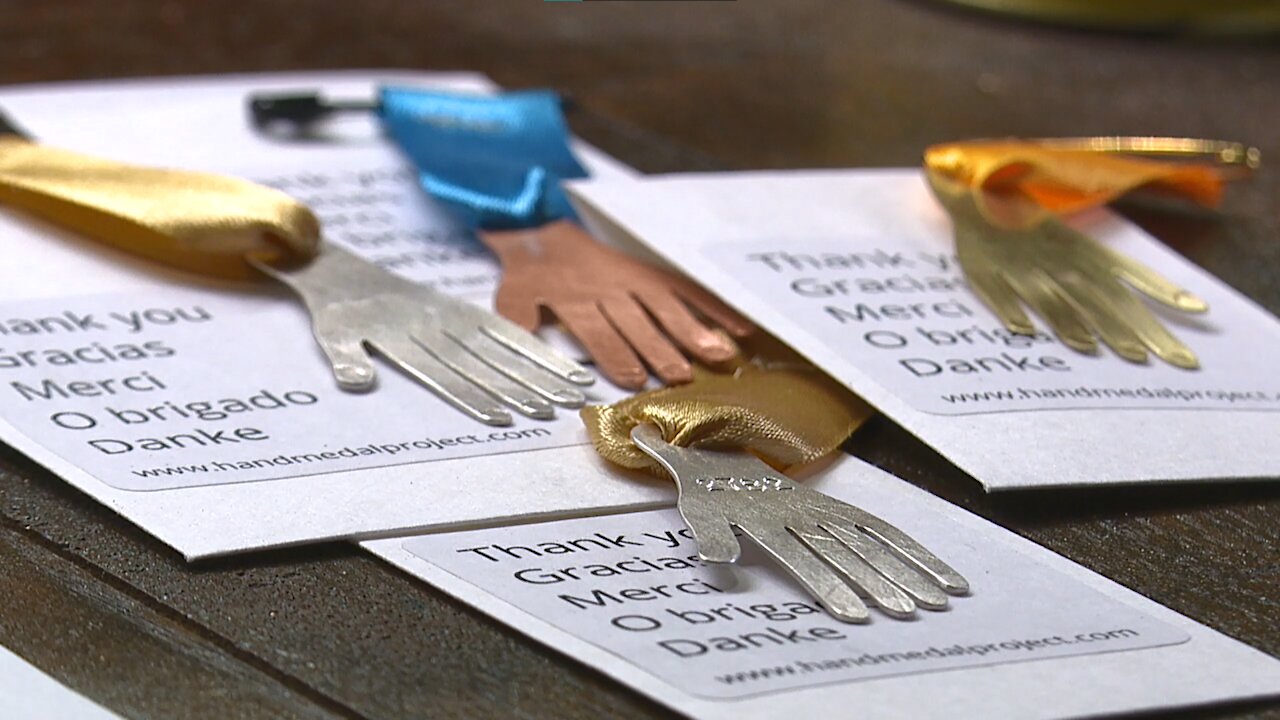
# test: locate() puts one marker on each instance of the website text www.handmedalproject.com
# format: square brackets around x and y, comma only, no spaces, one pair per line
[348,452]
[981,650]
[1259,399]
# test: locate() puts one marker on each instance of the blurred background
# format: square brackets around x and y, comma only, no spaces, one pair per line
[753,83]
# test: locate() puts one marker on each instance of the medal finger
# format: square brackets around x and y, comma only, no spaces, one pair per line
[466,363]
[699,340]
[889,597]
[711,533]
[352,367]
[836,515]
[1142,323]
[454,389]
[1039,292]
[517,306]
[837,596]
[919,587]
[611,353]
[535,349]
[653,347]
[528,374]
[1107,319]
[1163,343]
[983,278]
[1153,284]
[711,307]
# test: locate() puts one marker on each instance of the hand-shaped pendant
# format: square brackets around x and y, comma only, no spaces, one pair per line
[834,550]
[627,314]
[1015,253]
[473,359]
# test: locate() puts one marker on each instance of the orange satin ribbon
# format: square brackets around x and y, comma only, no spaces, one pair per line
[1066,176]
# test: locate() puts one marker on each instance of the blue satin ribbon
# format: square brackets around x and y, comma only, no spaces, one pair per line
[497,160]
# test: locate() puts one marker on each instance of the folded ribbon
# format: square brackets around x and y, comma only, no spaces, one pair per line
[199,222]
[498,161]
[787,415]
[1066,176]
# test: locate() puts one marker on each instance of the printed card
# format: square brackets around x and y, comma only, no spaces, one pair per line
[628,595]
[857,271]
[203,410]
[160,391]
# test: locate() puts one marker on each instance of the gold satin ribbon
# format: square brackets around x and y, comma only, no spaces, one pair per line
[1069,175]
[788,415]
[199,222]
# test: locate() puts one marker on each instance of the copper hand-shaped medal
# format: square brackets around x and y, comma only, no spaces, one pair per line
[1013,252]
[625,313]
[498,163]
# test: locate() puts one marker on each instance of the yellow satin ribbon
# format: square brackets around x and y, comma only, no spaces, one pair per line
[199,222]
[1065,176]
[788,415]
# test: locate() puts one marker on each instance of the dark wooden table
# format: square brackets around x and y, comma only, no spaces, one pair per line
[327,631]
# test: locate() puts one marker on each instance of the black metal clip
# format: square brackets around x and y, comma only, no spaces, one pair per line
[300,111]
[9,127]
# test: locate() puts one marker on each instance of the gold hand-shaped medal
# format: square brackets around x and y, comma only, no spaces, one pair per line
[1075,284]
[1004,199]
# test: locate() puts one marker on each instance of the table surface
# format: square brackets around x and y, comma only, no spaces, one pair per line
[327,631]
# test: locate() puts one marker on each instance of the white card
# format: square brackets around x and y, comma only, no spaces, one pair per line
[159,390]
[856,270]
[26,692]
[627,595]
[107,362]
